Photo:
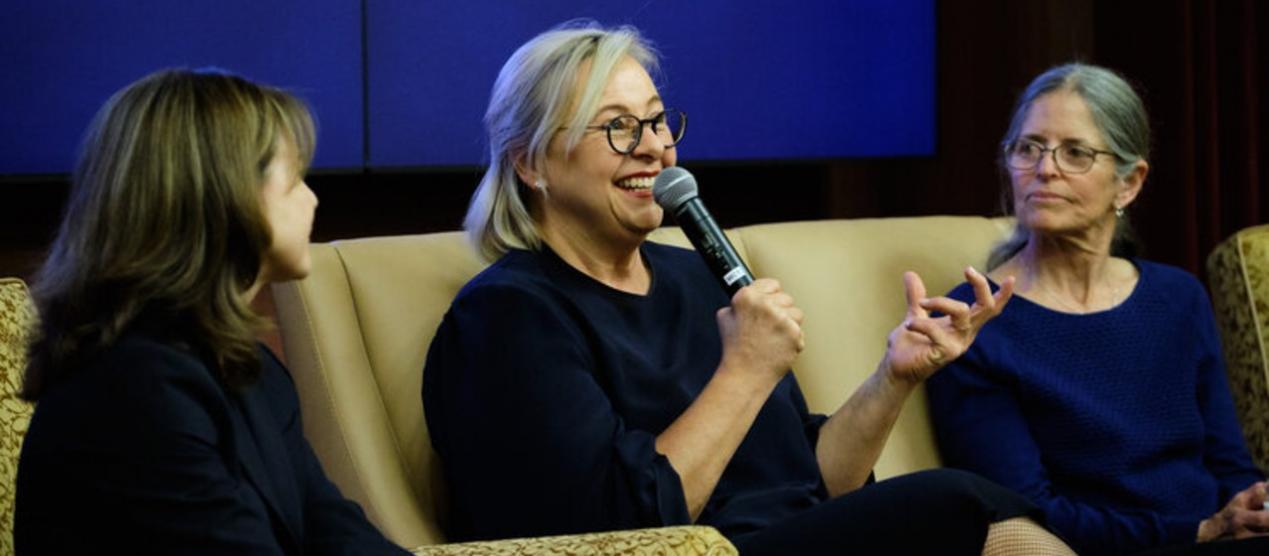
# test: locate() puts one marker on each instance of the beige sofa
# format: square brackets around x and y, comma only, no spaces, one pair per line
[356,332]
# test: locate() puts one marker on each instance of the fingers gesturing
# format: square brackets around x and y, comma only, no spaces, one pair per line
[923,344]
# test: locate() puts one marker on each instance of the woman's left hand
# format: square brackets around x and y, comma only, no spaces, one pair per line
[1244,516]
[922,344]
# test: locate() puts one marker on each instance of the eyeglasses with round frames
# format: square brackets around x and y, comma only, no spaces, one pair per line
[625,131]
[1069,159]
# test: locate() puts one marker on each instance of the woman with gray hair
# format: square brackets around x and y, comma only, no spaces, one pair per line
[589,380]
[1100,394]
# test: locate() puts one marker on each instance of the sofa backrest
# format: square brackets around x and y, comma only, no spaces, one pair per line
[356,334]
[847,276]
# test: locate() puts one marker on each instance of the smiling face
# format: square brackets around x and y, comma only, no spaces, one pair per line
[1048,200]
[592,191]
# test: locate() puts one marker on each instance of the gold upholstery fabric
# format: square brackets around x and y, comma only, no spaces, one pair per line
[356,333]
[666,541]
[1238,272]
[17,314]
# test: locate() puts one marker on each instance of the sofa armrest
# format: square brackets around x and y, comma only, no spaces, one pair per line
[683,540]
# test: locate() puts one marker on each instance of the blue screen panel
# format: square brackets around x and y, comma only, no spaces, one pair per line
[760,79]
[61,59]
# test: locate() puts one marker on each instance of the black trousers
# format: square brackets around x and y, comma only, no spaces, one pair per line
[1258,546]
[942,511]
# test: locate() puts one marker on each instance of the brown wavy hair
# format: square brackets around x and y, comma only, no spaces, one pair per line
[164,219]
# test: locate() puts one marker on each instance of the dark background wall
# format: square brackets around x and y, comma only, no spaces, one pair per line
[1198,65]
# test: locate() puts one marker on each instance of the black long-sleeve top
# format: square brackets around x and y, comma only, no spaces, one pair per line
[544,392]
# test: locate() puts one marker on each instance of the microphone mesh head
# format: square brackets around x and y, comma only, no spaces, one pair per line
[673,187]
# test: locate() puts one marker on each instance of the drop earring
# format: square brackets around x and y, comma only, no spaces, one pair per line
[1119,212]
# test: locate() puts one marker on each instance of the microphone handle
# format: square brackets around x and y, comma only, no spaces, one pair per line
[713,246]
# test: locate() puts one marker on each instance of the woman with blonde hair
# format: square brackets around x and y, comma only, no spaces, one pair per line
[591,380]
[162,426]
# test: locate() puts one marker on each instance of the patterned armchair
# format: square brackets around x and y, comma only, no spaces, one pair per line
[17,314]
[1238,271]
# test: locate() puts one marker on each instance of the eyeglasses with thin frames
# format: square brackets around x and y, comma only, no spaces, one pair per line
[1069,159]
[626,131]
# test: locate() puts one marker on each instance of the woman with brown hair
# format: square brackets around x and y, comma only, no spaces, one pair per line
[162,425]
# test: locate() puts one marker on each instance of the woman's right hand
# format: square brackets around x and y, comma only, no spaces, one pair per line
[762,335]
[1244,516]
[762,332]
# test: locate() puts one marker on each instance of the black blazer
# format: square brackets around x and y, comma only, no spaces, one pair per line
[144,451]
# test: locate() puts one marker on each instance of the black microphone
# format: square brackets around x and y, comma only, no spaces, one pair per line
[675,190]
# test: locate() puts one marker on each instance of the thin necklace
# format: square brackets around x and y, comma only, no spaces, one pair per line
[1071,308]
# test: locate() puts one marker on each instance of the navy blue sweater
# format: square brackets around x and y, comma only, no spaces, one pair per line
[1118,424]
[544,392]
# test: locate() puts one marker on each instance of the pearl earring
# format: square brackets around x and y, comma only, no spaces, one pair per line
[1119,212]
[540,184]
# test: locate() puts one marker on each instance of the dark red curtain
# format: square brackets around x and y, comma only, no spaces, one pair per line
[1201,67]
[1198,64]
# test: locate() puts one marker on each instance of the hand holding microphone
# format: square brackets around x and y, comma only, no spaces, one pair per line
[762,329]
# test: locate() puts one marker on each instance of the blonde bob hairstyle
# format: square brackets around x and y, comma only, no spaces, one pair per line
[529,105]
[164,223]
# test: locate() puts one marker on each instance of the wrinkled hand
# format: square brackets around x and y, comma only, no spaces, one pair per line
[1244,516]
[922,344]
[761,330]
